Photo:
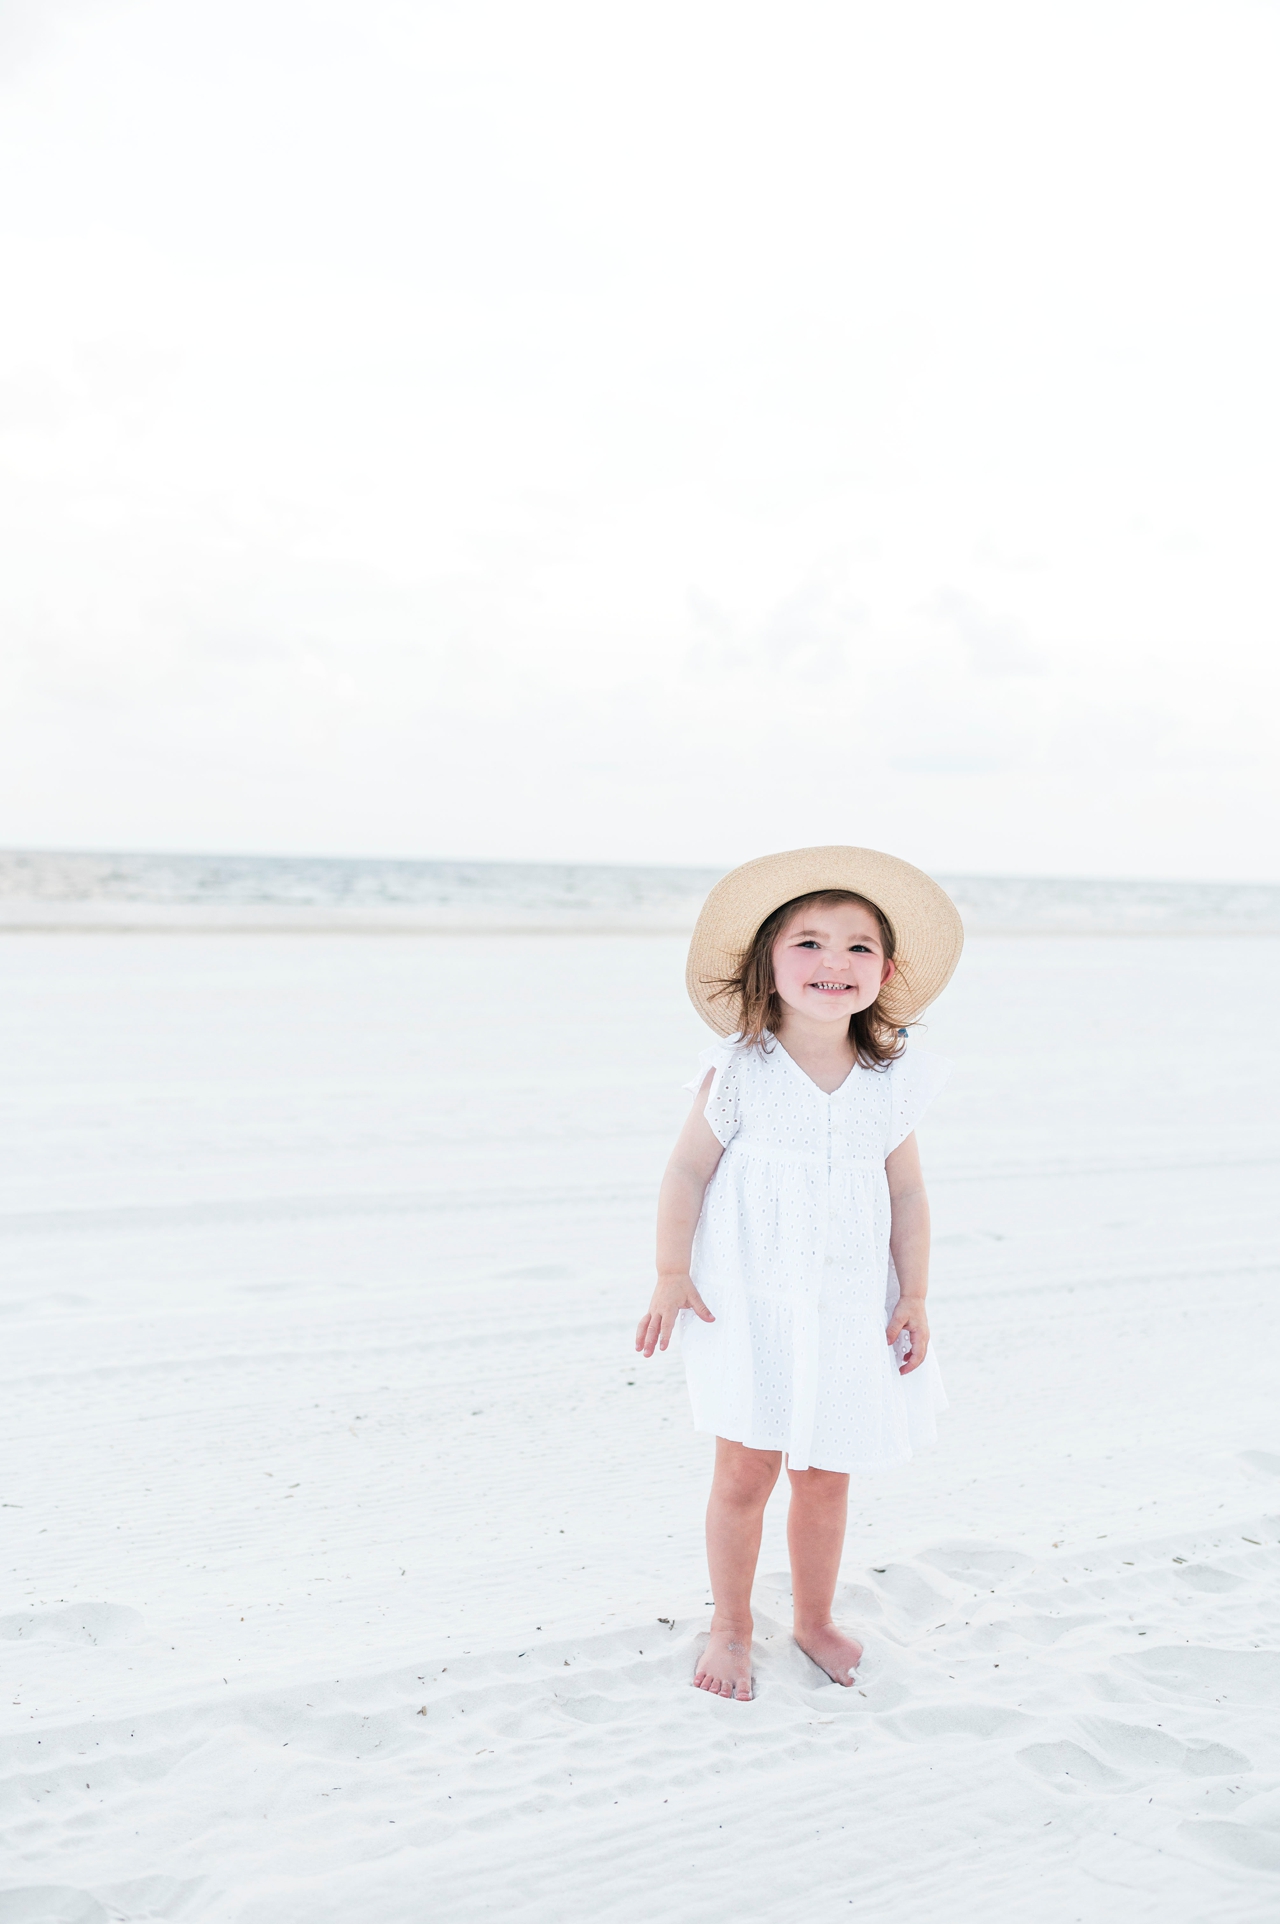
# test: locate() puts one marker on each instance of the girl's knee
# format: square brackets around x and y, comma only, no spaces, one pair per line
[743,1475]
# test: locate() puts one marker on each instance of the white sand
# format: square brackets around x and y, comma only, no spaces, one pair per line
[321,1257]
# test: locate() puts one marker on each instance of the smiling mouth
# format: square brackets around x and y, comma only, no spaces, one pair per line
[833,988]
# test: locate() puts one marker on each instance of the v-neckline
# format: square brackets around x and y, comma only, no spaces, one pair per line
[827,1093]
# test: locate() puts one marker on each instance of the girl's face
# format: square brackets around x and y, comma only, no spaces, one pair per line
[829,961]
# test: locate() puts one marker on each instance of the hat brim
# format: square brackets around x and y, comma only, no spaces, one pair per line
[927,930]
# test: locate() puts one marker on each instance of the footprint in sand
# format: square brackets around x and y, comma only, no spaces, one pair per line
[909,1594]
[137,1897]
[1138,1748]
[1208,1577]
[74,1623]
[1215,1760]
[1069,1766]
[1259,1462]
[1197,1674]
[955,1720]
[51,1904]
[1039,1628]
[981,1565]
[601,1710]
[1233,1841]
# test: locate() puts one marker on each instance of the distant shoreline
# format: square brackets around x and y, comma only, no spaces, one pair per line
[64,893]
[273,923]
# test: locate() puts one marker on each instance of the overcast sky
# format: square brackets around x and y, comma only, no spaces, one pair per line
[643,429]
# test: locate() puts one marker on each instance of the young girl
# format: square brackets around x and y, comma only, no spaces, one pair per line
[793,1227]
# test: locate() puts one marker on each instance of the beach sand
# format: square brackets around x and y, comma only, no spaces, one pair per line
[352,1561]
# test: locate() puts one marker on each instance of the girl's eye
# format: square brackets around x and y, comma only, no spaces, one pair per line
[808,943]
[859,948]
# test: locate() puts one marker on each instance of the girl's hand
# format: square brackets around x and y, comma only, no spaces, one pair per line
[909,1314]
[673,1293]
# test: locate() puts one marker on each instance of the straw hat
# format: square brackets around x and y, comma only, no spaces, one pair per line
[926,924]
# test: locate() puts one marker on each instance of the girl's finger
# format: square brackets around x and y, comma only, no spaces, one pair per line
[642,1330]
[699,1308]
[919,1350]
[668,1324]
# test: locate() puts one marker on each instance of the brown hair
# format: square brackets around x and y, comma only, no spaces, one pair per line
[876,1040]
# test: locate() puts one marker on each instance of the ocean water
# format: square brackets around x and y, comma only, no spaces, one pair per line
[91,890]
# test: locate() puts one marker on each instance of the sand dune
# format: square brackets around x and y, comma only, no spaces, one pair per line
[354,1564]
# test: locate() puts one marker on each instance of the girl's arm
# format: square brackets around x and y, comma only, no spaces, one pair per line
[692,1165]
[909,1243]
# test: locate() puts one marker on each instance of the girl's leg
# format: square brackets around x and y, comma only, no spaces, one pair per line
[815,1537]
[735,1515]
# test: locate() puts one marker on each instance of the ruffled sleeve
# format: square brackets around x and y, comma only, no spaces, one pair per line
[722,1097]
[915,1079]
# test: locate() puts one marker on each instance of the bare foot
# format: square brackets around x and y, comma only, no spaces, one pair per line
[834,1651]
[725,1667]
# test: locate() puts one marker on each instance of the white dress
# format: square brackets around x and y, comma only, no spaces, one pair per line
[791,1256]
